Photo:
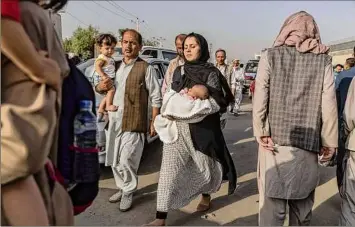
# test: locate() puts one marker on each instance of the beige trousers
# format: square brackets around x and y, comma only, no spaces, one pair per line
[129,149]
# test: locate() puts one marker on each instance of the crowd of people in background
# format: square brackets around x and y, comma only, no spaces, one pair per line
[299,124]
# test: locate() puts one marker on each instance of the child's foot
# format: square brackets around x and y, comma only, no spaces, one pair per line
[112,108]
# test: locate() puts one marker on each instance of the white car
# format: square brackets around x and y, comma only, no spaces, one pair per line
[159,53]
[88,68]
[152,52]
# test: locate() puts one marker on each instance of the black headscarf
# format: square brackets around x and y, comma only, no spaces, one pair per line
[199,71]
[206,135]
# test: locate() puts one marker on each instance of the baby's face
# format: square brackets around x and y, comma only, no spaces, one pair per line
[107,50]
[199,92]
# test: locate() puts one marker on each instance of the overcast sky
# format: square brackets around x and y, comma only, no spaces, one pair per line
[242,28]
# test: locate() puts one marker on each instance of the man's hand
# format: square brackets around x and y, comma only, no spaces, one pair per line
[327,153]
[155,113]
[104,85]
[266,142]
[50,73]
[152,131]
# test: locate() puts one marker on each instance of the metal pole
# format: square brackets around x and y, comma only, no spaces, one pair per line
[211,52]
[137,23]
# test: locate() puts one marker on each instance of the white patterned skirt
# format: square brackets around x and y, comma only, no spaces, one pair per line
[185,173]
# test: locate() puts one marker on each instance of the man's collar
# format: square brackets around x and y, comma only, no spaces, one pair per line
[132,62]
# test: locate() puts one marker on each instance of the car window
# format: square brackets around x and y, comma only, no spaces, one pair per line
[152,53]
[251,67]
[146,52]
[168,55]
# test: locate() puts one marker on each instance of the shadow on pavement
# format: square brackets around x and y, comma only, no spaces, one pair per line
[251,220]
[151,158]
[106,172]
[151,189]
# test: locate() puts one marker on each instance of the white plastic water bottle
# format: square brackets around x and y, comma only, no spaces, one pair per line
[86,164]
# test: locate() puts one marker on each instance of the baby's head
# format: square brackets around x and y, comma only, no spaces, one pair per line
[199,91]
[107,44]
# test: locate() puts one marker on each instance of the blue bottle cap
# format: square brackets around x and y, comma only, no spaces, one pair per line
[85,104]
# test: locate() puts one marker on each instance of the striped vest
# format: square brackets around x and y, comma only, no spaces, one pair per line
[135,113]
[295,99]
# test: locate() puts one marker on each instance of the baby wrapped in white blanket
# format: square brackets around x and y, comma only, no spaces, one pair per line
[189,106]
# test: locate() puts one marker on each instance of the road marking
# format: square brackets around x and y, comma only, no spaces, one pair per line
[247,177]
[247,140]
[149,193]
[247,129]
[325,192]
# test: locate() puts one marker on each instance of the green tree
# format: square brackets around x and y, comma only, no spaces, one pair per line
[67,44]
[148,42]
[83,41]
[120,32]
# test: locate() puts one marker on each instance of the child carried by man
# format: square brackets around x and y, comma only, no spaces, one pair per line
[105,68]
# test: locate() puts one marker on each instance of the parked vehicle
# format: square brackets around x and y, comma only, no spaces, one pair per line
[159,53]
[159,65]
[251,68]
[118,52]
[153,52]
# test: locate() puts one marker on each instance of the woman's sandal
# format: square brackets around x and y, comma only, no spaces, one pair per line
[202,207]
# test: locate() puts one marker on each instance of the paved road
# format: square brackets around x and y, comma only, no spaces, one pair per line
[238,209]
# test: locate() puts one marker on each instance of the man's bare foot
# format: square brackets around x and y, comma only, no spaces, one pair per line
[204,204]
[112,108]
[156,222]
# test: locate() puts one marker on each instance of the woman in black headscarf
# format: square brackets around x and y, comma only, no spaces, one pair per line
[184,175]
